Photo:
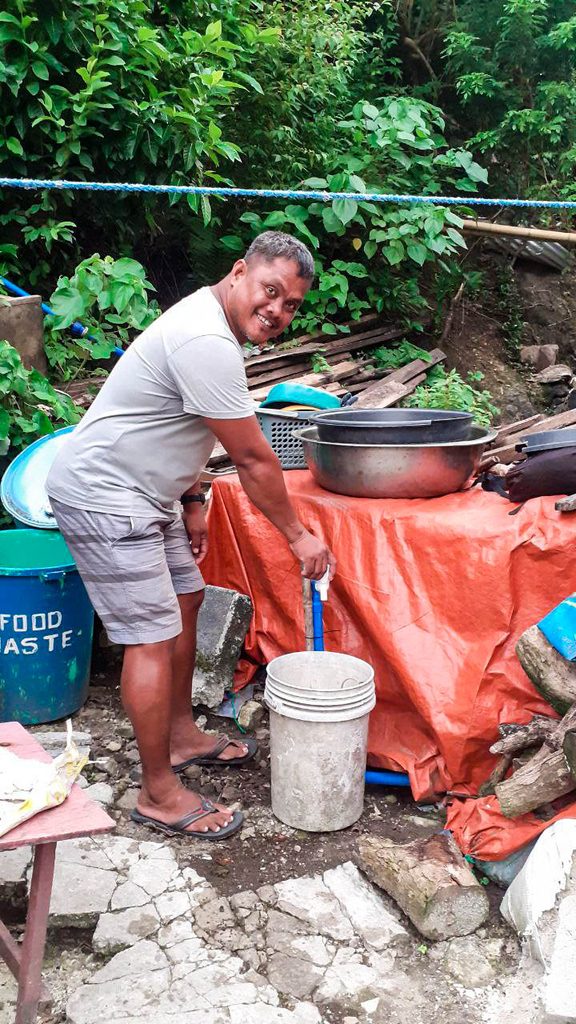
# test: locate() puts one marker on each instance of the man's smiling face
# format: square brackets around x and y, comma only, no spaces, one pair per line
[264,297]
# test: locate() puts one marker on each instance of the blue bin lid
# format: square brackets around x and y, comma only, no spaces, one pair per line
[23,489]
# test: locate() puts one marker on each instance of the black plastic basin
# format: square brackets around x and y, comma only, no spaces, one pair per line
[393,426]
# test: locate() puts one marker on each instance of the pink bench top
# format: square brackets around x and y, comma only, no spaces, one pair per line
[77,816]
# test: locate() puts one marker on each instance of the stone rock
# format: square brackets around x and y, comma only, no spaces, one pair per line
[349,984]
[128,800]
[114,746]
[101,792]
[21,323]
[171,905]
[367,911]
[13,865]
[129,895]
[154,873]
[222,625]
[466,961]
[529,355]
[251,714]
[554,374]
[214,916]
[116,931]
[309,900]
[55,742]
[84,881]
[559,996]
[293,976]
[142,957]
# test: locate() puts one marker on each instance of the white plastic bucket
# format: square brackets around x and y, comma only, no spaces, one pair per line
[319,707]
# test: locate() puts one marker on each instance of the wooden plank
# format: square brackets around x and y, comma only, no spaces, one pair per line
[286,372]
[507,453]
[352,342]
[316,380]
[382,395]
[303,370]
[509,429]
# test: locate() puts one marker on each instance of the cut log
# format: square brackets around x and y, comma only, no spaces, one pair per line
[569,751]
[545,778]
[430,881]
[552,675]
[534,734]
[497,774]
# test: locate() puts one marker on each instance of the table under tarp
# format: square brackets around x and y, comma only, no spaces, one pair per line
[434,593]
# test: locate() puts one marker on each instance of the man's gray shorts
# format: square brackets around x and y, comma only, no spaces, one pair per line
[132,568]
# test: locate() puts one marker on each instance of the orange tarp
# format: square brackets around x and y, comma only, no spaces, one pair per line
[434,594]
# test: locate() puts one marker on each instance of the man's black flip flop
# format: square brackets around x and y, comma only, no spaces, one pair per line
[179,828]
[212,756]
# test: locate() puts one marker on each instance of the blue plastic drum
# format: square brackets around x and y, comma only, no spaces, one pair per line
[46,626]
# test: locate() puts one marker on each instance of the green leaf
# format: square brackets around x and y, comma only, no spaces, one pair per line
[332,223]
[315,183]
[40,70]
[328,328]
[417,252]
[345,209]
[214,31]
[15,146]
[232,242]
[250,81]
[68,305]
[126,268]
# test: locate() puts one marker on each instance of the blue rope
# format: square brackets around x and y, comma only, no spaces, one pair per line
[271,193]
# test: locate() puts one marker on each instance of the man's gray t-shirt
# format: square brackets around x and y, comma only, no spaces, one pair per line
[143,441]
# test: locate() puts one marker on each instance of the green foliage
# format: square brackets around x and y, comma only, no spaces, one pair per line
[398,146]
[510,308]
[319,363]
[120,90]
[110,298]
[512,65]
[394,356]
[29,405]
[448,390]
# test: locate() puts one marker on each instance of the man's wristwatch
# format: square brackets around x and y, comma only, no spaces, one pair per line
[187,499]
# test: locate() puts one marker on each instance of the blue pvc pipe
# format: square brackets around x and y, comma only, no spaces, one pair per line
[317,622]
[378,778]
[372,777]
[76,329]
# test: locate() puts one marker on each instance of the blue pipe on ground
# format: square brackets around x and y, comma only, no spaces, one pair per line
[380,778]
[76,329]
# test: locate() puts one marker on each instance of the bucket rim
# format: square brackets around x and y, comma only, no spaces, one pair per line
[348,715]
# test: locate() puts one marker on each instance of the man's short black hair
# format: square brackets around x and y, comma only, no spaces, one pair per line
[273,245]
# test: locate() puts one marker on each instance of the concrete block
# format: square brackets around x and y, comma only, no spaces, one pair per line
[22,324]
[222,625]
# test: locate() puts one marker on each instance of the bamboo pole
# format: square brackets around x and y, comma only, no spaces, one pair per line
[485,227]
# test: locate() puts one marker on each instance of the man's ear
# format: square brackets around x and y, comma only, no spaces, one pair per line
[239,270]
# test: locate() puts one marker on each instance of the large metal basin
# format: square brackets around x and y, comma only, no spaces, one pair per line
[392,426]
[394,470]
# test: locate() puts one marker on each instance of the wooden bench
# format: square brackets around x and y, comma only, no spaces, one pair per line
[77,816]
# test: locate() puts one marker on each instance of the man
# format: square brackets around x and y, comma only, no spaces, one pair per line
[116,488]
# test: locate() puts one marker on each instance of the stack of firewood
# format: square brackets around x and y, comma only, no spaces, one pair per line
[541,753]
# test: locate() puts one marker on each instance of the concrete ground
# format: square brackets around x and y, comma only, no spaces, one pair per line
[274,926]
